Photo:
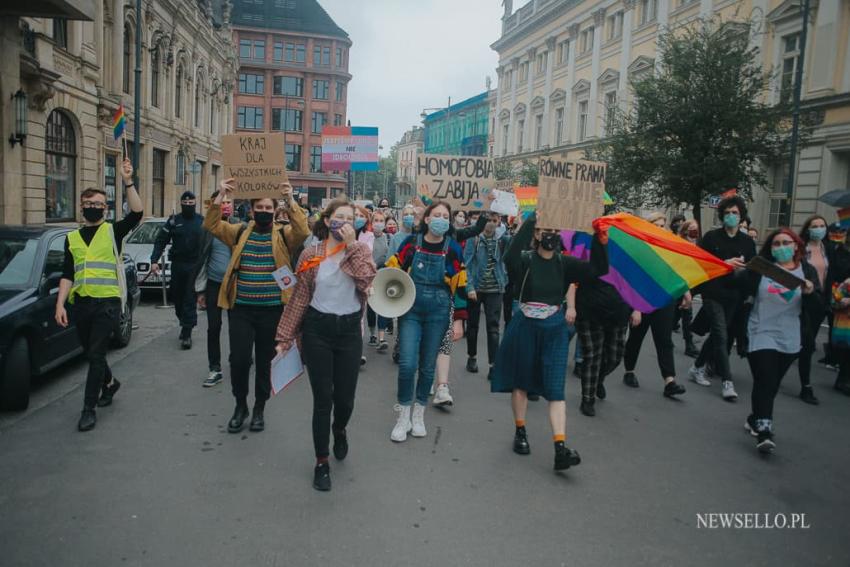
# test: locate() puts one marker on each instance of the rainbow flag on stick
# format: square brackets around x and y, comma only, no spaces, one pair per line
[527,198]
[844,217]
[650,266]
[119,122]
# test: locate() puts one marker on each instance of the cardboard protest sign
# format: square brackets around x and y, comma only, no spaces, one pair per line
[257,162]
[570,193]
[780,275]
[461,181]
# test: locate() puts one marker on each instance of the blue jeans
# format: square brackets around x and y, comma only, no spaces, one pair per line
[421,330]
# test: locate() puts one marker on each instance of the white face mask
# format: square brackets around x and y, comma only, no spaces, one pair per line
[500,231]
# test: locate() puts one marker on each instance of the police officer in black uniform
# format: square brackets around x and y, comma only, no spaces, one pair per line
[184,232]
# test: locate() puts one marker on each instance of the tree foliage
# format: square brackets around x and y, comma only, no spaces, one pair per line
[375,185]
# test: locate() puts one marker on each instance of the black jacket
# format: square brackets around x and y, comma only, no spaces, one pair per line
[184,235]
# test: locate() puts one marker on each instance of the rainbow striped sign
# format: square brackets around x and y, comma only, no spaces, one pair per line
[844,217]
[349,148]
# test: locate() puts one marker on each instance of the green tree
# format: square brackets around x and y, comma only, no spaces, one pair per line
[698,126]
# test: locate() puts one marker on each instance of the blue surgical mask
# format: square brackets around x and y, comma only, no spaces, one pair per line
[439,226]
[817,233]
[407,220]
[783,254]
[731,220]
[359,223]
[500,231]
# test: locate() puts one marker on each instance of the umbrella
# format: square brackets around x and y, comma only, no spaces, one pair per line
[836,198]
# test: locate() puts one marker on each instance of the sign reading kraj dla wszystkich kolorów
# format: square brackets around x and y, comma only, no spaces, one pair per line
[256,162]
[461,181]
[349,148]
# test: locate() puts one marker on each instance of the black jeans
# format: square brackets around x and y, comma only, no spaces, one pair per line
[768,367]
[332,347]
[687,316]
[720,315]
[182,289]
[252,328]
[213,325]
[661,323]
[507,305]
[372,318]
[492,303]
[95,320]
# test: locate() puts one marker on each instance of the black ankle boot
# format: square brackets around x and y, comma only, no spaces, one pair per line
[240,414]
[565,457]
[588,408]
[257,421]
[322,477]
[340,444]
[521,446]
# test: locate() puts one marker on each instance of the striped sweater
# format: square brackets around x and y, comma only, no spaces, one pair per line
[255,284]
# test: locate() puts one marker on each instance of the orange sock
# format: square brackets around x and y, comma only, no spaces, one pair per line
[560,437]
[519,422]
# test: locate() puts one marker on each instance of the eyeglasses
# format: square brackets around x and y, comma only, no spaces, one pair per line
[94,205]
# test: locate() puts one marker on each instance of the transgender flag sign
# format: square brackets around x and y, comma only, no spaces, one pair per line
[352,148]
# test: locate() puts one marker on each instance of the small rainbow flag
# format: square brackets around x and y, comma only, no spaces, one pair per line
[650,266]
[844,217]
[119,121]
[527,198]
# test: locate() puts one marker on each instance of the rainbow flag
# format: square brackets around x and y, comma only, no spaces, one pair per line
[841,320]
[844,217]
[606,198]
[527,198]
[119,121]
[650,266]
[576,243]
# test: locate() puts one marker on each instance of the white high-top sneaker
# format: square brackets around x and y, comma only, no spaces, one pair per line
[418,421]
[402,424]
[443,397]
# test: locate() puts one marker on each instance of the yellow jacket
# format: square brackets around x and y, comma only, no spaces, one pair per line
[285,242]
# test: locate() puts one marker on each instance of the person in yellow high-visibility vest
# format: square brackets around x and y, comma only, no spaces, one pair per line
[93,283]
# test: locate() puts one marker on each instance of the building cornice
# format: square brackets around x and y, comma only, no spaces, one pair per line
[520,32]
[290,33]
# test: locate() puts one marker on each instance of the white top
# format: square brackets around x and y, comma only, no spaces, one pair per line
[775,317]
[335,291]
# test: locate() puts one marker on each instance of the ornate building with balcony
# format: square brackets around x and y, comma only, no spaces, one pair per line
[410,146]
[71,69]
[293,78]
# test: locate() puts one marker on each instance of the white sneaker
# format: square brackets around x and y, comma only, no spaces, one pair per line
[402,424]
[729,393]
[698,375]
[418,421]
[443,398]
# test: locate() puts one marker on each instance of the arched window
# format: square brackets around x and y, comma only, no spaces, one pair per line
[198,81]
[155,64]
[213,111]
[127,58]
[178,93]
[60,153]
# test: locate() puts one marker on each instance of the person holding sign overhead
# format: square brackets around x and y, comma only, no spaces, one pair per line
[532,358]
[251,294]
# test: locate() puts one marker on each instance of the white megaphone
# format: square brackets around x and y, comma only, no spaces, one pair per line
[393,293]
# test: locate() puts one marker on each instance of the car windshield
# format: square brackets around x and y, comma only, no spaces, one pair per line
[146,233]
[17,256]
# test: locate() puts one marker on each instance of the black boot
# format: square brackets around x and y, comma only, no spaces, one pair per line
[629,379]
[108,393]
[88,419]
[808,396]
[186,338]
[672,389]
[322,477]
[340,444]
[257,421]
[587,407]
[521,446]
[565,457]
[472,365]
[240,414]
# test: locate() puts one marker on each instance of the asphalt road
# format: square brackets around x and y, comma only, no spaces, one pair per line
[160,482]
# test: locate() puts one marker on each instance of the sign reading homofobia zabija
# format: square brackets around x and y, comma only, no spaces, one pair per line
[257,162]
[570,193]
[461,181]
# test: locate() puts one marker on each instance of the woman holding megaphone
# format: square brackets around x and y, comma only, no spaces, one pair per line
[324,312]
[434,261]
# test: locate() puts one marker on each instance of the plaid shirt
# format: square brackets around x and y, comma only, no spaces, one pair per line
[357,263]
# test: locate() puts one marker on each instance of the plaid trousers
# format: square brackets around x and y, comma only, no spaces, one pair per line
[602,346]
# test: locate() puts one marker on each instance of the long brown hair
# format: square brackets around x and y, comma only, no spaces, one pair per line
[768,244]
[320,229]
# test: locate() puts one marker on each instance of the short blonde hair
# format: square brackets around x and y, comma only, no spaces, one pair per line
[656,216]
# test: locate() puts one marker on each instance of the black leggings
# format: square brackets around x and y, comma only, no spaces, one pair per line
[805,362]
[661,323]
[768,367]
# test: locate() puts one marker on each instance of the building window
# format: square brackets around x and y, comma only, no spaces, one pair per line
[315,159]
[260,49]
[587,39]
[127,59]
[277,53]
[198,83]
[155,65]
[322,55]
[293,157]
[559,126]
[563,52]
[60,152]
[318,121]
[520,126]
[60,32]
[582,120]
[340,91]
[289,86]
[542,59]
[296,53]
[249,117]
[523,72]
[778,211]
[614,26]
[507,79]
[339,57]
[538,131]
[158,183]
[109,179]
[178,93]
[213,115]
[648,11]
[251,84]
[337,119]
[320,89]
[610,112]
[180,169]
[287,119]
[245,49]
[790,60]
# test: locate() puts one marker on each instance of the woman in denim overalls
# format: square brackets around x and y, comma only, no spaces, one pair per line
[435,262]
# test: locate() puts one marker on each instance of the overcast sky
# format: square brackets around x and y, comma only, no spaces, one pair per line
[409,55]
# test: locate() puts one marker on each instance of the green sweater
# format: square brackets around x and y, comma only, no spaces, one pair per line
[549,280]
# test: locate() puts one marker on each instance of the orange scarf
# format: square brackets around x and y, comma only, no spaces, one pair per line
[316,260]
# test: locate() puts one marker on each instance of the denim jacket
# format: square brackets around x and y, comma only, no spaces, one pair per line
[475,258]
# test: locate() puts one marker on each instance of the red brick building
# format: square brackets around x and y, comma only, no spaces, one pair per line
[293,78]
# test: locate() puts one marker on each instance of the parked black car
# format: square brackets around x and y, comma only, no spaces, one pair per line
[31,342]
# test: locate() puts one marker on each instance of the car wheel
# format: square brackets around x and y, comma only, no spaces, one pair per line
[15,380]
[124,331]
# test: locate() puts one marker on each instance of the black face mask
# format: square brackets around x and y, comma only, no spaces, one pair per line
[188,211]
[92,214]
[549,240]
[264,219]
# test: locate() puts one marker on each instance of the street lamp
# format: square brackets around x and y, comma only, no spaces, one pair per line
[19,102]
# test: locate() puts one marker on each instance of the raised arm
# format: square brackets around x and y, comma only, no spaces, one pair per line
[298,230]
[520,242]
[214,224]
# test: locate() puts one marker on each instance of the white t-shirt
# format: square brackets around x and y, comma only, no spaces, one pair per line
[335,291]
[775,318]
